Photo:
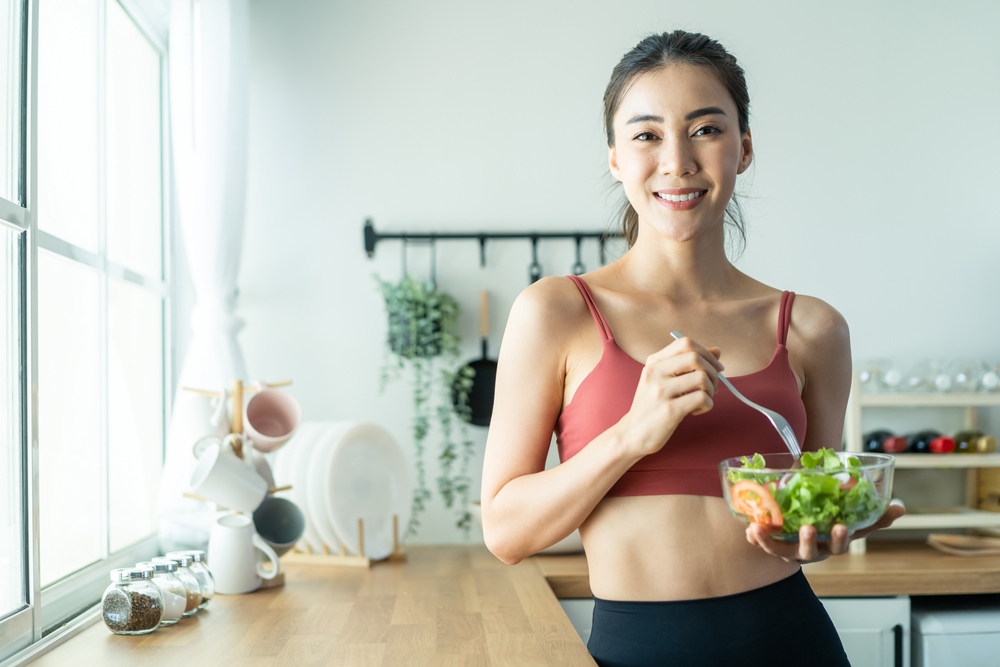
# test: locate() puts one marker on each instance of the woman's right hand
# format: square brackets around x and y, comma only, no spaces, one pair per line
[678,380]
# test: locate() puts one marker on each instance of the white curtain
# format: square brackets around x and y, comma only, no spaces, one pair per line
[209,96]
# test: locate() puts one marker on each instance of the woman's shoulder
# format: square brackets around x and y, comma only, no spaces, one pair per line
[814,321]
[552,299]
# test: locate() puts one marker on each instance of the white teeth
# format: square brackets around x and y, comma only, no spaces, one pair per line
[680,198]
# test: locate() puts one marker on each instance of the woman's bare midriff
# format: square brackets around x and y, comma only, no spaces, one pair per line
[672,547]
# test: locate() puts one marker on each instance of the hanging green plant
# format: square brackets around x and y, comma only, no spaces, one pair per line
[421,325]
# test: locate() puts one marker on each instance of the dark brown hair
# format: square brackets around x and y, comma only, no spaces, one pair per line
[658,51]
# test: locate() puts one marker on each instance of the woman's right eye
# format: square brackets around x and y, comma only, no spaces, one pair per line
[645,136]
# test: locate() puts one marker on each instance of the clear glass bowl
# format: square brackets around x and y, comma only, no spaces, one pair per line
[785,495]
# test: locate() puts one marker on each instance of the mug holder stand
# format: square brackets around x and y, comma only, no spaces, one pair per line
[343,559]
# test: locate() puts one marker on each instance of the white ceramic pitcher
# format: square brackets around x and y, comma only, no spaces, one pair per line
[232,551]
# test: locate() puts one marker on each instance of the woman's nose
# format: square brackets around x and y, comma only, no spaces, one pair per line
[677,158]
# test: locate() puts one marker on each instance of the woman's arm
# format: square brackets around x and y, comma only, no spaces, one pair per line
[527,508]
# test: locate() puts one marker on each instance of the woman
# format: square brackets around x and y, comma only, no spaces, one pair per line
[640,418]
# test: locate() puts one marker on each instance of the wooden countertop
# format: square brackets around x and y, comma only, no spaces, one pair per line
[455,605]
[889,568]
[446,605]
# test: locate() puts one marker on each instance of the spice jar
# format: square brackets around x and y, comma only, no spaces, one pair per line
[174,593]
[189,580]
[132,604]
[200,569]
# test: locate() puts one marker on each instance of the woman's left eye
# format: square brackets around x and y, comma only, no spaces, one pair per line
[713,130]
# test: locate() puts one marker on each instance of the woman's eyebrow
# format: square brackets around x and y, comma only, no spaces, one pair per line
[644,118]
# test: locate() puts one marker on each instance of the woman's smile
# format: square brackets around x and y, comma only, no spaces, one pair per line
[683,199]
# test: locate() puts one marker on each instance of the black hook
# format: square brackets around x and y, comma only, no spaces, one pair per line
[536,268]
[578,268]
[604,240]
[404,256]
[482,252]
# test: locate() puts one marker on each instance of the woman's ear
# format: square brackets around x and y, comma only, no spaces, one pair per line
[613,164]
[747,153]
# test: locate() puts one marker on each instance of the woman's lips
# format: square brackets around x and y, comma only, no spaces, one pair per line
[681,205]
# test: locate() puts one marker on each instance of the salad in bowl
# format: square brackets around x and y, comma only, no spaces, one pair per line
[821,489]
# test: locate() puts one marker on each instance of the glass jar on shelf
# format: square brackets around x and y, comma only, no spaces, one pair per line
[132,604]
[189,579]
[988,376]
[201,571]
[878,376]
[174,593]
[926,376]
[963,375]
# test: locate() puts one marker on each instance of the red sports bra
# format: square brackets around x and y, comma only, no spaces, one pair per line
[688,462]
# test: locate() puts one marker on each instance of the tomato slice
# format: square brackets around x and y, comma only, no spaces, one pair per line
[756,502]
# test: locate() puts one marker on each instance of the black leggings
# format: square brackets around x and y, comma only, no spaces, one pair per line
[783,623]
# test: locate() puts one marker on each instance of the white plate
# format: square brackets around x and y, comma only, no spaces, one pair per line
[295,466]
[368,479]
[318,483]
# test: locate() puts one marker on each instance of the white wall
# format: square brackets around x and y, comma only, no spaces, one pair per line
[876,137]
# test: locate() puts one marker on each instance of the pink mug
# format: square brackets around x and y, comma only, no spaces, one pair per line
[271,417]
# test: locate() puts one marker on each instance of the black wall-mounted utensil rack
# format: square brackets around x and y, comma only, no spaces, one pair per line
[372,238]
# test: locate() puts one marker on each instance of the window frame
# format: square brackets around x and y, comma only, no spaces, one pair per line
[67,606]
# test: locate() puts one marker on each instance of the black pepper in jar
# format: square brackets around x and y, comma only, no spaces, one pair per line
[132,604]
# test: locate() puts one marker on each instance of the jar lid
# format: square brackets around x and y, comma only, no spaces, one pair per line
[198,556]
[159,565]
[182,559]
[173,563]
[146,565]
[124,574]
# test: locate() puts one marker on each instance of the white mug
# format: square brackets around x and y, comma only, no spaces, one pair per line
[232,551]
[226,479]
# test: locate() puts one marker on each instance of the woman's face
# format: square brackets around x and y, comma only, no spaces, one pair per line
[677,134]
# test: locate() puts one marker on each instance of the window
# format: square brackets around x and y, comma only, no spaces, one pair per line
[16,612]
[101,288]
[83,304]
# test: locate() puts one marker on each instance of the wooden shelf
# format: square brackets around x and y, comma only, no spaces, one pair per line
[929,400]
[947,460]
[946,517]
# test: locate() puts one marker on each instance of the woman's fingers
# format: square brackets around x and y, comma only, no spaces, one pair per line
[806,550]
[685,345]
[684,364]
[839,539]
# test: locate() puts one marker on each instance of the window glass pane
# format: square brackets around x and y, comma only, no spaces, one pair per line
[135,410]
[67,121]
[12,528]
[10,99]
[133,85]
[71,470]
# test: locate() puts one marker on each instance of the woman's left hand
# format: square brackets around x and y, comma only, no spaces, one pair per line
[807,549]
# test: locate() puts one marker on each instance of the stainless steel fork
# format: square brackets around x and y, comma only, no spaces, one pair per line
[780,423]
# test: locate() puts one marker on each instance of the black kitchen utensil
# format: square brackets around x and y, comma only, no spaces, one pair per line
[480,397]
[578,268]
[536,268]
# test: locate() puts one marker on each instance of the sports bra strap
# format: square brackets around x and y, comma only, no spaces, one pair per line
[602,325]
[785,316]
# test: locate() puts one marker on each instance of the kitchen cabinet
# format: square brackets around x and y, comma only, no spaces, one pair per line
[967,516]
[875,631]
